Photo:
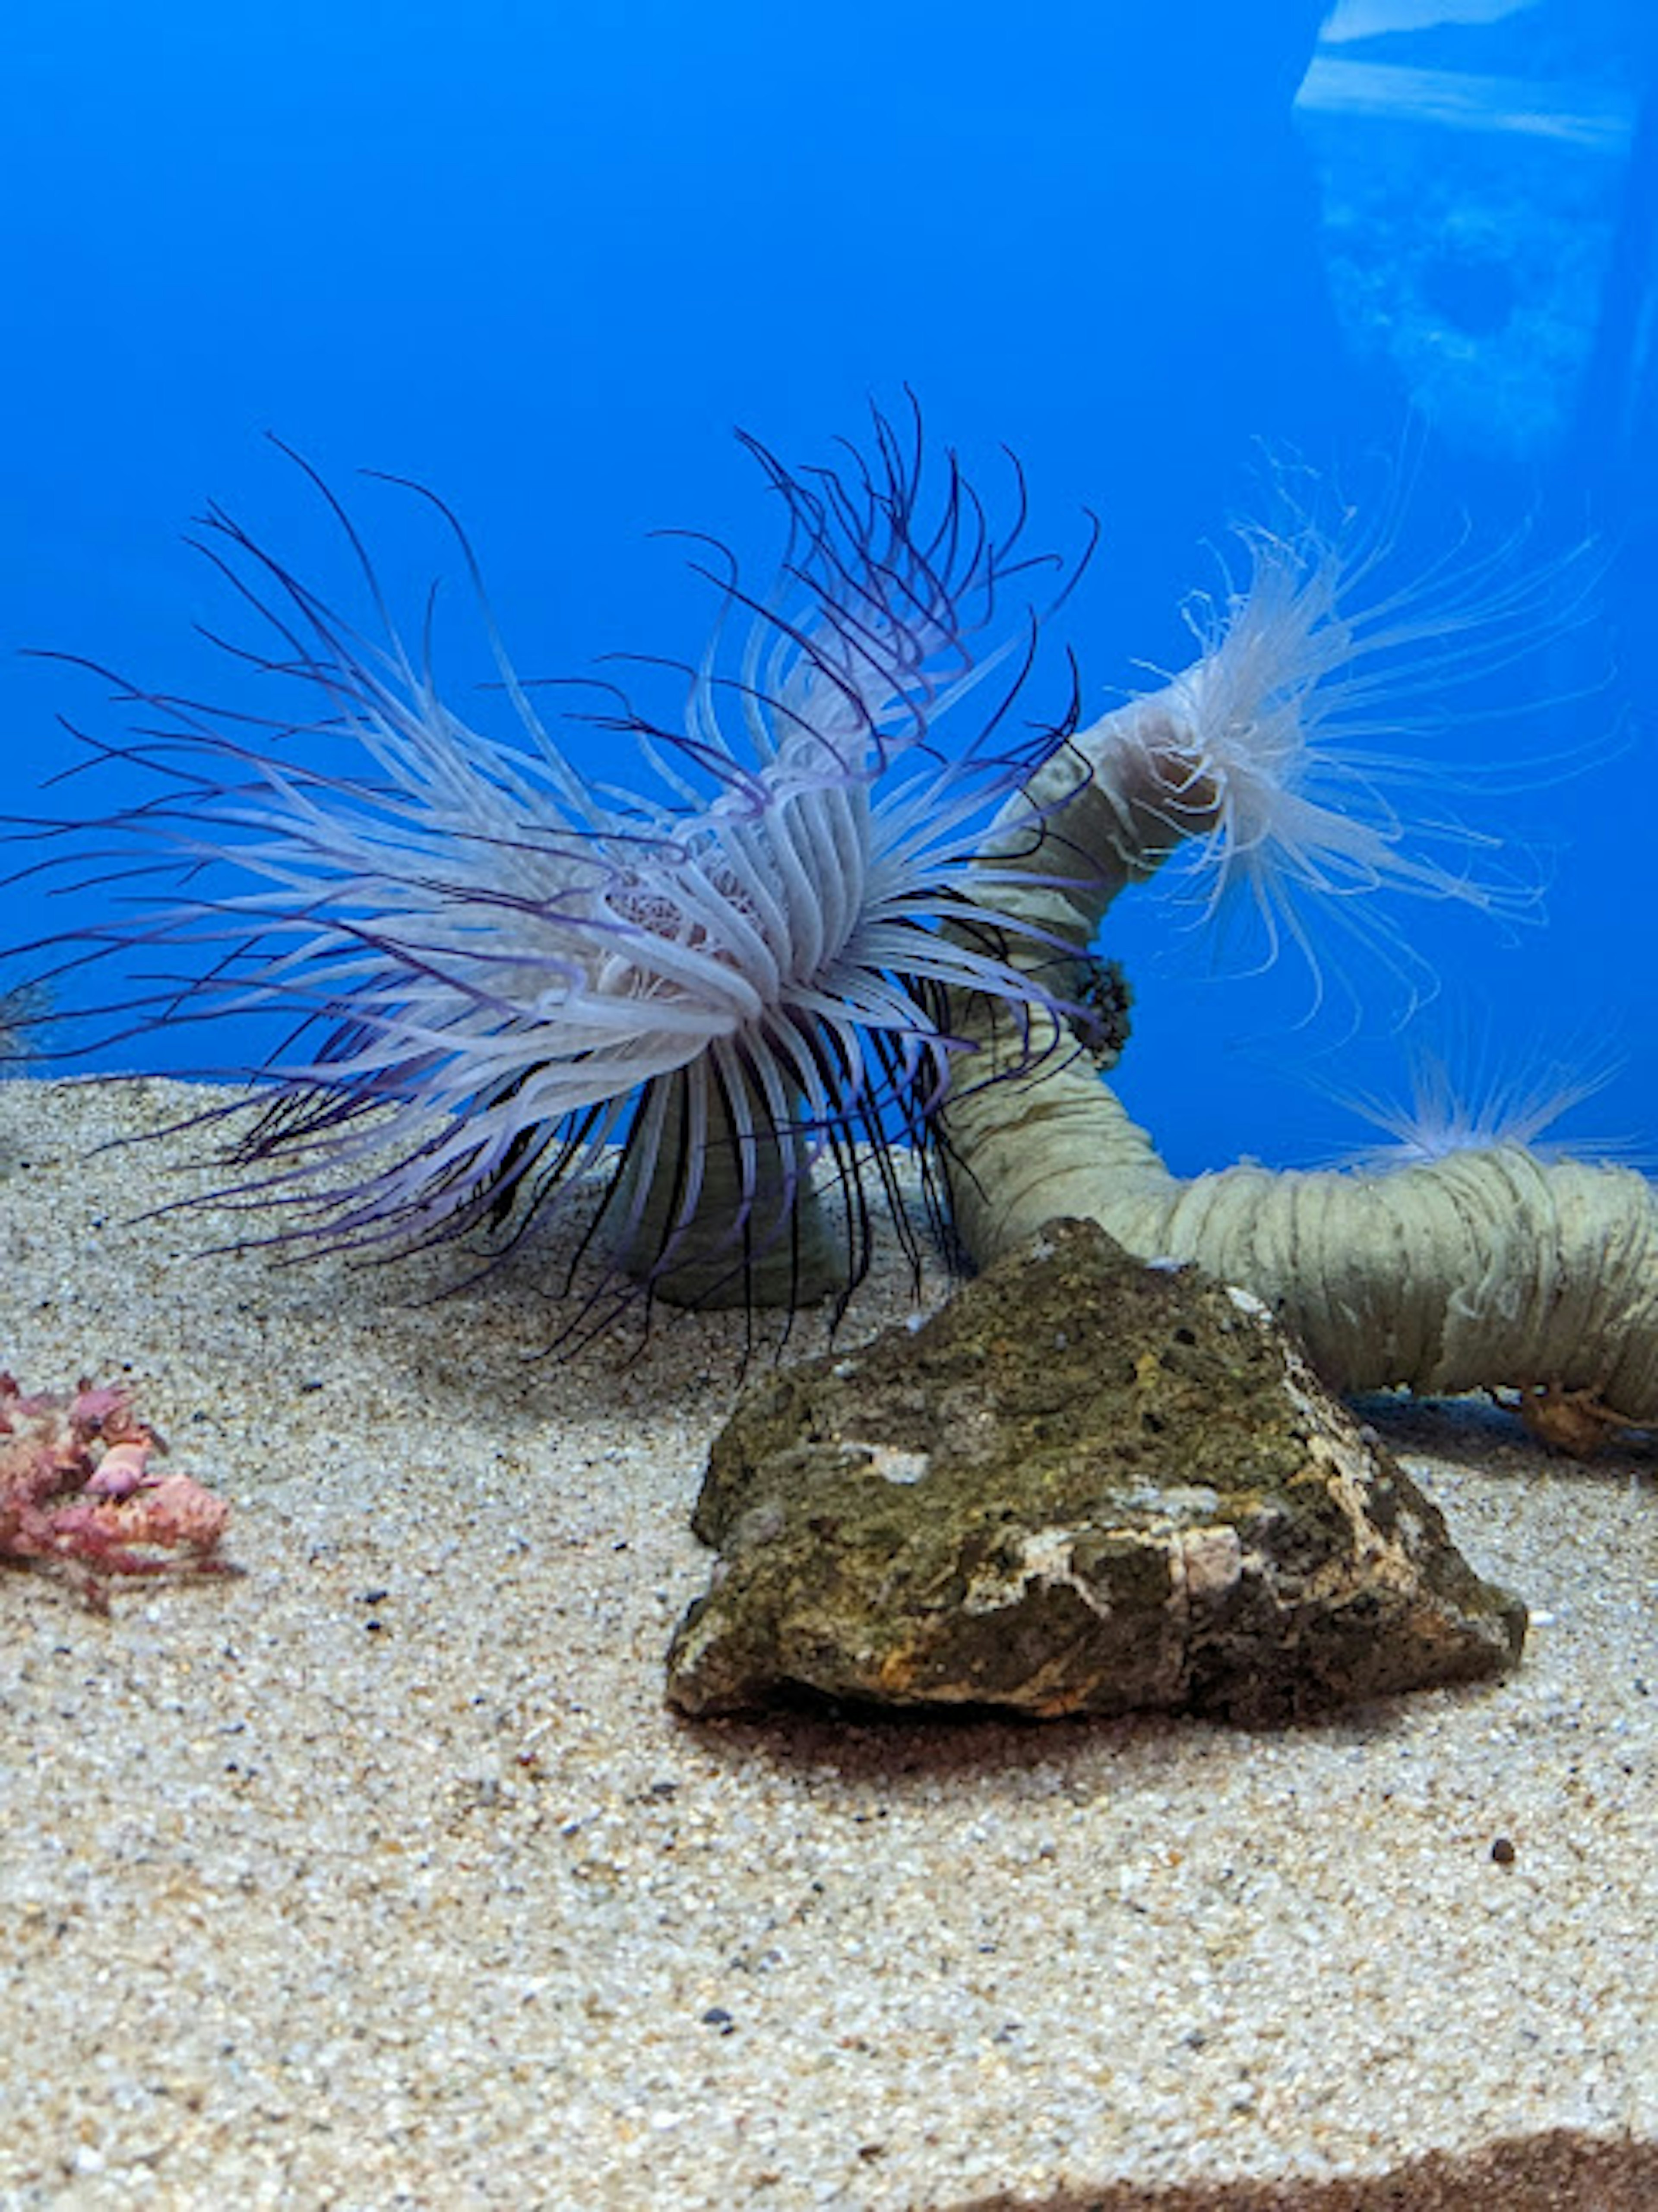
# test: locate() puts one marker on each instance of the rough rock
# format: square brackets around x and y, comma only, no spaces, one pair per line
[1085,1486]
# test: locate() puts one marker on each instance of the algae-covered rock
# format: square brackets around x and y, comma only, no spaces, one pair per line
[1085,1486]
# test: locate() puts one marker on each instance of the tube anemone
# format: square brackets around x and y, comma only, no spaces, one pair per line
[1298,764]
[500,974]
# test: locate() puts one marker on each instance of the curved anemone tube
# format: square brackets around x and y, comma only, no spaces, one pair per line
[1483,1270]
[1486,1268]
[499,973]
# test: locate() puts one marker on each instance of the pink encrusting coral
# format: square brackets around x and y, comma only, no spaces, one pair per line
[78,1494]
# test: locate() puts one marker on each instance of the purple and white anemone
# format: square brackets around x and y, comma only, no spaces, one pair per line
[731,998]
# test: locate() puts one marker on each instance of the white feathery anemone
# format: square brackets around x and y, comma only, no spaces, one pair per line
[1298,765]
[498,970]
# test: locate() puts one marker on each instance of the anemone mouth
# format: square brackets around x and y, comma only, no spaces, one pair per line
[496,975]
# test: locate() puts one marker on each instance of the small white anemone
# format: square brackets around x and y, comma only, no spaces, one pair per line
[1471,1094]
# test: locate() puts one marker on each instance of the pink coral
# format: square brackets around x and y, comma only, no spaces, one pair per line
[78,1495]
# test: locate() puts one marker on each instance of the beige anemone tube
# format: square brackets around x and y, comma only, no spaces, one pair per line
[1485,1269]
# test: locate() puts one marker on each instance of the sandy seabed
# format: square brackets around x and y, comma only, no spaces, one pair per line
[382,1876]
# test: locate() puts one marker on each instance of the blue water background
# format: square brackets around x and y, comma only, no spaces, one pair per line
[544,258]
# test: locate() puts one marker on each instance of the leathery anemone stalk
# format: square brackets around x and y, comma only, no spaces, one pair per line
[502,974]
[1263,765]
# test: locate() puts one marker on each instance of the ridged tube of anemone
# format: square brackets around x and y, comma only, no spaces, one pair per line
[719,1208]
[1113,802]
[1488,1268]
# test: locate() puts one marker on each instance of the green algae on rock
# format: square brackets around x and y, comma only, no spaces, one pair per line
[1085,1486]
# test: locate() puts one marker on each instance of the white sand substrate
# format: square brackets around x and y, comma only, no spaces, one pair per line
[382,1876]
